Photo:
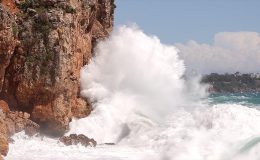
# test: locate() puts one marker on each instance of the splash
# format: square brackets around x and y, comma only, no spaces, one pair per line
[132,79]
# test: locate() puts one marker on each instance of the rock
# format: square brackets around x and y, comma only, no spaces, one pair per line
[11,123]
[10,5]
[7,41]
[31,11]
[43,46]
[4,106]
[110,144]
[18,121]
[74,139]
[31,128]
[40,74]
[10,140]
[3,136]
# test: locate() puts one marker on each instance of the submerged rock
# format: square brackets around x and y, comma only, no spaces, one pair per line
[75,139]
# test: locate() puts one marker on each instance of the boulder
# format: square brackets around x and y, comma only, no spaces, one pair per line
[75,139]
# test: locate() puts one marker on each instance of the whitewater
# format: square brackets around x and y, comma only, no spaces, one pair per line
[145,104]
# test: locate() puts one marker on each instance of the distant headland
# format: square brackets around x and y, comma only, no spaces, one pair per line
[232,83]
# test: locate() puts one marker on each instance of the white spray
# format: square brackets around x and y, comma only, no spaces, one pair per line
[132,74]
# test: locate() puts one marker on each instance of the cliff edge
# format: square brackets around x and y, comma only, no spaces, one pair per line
[43,45]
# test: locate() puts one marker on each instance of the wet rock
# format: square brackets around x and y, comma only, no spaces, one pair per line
[111,144]
[75,139]
[10,140]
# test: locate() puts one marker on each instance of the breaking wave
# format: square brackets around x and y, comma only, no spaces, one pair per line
[143,102]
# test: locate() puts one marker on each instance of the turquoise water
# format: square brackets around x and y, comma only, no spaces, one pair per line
[249,99]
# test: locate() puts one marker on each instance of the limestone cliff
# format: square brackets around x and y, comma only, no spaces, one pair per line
[43,45]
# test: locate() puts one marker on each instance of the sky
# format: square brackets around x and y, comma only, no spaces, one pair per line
[220,36]
[183,20]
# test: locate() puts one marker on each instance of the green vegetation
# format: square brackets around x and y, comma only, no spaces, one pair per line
[15,29]
[26,4]
[43,28]
[233,82]
[70,9]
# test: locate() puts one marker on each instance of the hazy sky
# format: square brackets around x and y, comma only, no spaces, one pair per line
[182,20]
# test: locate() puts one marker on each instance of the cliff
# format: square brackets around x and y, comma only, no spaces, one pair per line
[232,83]
[43,45]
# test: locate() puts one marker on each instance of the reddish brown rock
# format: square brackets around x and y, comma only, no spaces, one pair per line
[19,121]
[3,135]
[56,39]
[7,40]
[74,139]
[10,5]
[43,45]
[11,123]
[4,106]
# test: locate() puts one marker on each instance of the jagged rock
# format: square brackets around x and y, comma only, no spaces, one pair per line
[19,121]
[41,73]
[74,139]
[11,123]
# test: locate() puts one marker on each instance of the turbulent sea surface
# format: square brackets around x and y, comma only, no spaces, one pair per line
[143,105]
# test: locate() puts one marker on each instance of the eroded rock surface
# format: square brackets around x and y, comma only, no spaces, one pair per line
[43,45]
[7,40]
[19,121]
[12,122]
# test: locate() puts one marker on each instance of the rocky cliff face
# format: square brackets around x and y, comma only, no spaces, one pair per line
[43,45]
